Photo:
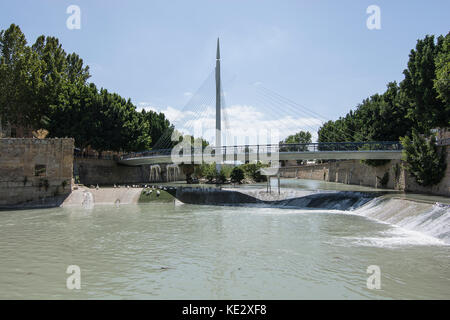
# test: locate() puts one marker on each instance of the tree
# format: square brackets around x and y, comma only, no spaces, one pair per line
[75,114]
[19,78]
[76,72]
[423,159]
[425,109]
[43,87]
[442,81]
[53,76]
[301,137]
[160,128]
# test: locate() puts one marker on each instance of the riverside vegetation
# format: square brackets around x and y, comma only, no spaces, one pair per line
[407,111]
[247,173]
[43,87]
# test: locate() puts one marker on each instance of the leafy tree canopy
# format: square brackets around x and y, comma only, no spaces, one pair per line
[41,86]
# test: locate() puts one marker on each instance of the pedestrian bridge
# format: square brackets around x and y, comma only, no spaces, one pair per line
[385,150]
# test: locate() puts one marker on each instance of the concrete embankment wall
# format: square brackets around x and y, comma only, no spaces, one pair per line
[108,172]
[104,196]
[35,172]
[357,173]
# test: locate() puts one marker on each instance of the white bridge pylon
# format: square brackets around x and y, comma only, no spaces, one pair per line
[272,153]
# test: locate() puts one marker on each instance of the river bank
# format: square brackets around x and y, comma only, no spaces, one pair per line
[391,175]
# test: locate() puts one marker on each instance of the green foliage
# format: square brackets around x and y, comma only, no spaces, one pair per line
[210,171]
[220,176]
[299,137]
[423,159]
[20,75]
[41,86]
[251,171]
[425,109]
[237,175]
[442,81]
[226,170]
[164,196]
[378,118]
[159,126]
[420,102]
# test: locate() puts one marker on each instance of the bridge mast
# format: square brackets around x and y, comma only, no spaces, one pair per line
[218,111]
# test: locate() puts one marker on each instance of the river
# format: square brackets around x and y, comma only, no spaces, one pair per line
[183,251]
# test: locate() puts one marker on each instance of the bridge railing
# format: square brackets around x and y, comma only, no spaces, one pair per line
[281,147]
[443,142]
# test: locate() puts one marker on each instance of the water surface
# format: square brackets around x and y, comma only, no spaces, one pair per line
[168,251]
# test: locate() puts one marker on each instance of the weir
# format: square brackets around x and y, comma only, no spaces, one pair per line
[427,218]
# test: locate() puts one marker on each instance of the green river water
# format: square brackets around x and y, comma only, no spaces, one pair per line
[181,251]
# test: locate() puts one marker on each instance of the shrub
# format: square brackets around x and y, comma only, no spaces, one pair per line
[251,171]
[220,176]
[237,175]
[423,159]
[226,170]
[210,171]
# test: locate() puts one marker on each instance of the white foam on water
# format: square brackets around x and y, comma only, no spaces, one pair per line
[414,222]
[88,200]
[396,237]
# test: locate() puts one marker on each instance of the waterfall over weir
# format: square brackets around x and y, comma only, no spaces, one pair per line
[88,200]
[155,173]
[427,218]
[172,172]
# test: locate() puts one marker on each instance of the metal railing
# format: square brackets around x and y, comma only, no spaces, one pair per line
[94,156]
[443,142]
[282,147]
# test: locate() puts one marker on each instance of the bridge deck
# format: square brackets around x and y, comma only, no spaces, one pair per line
[319,155]
[320,151]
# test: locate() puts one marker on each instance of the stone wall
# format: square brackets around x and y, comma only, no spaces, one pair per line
[92,171]
[35,172]
[357,173]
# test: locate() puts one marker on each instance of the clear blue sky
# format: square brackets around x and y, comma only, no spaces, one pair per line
[318,53]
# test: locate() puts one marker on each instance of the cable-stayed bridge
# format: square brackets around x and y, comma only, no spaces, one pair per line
[282,113]
[386,150]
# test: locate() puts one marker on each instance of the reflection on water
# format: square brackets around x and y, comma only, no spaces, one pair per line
[161,251]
